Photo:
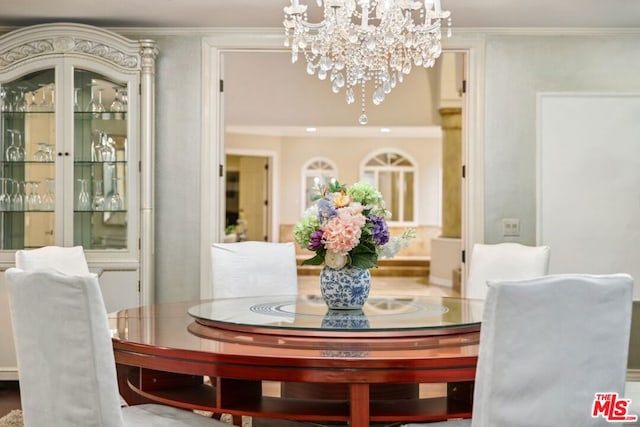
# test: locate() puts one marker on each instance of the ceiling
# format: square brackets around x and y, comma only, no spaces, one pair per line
[268,13]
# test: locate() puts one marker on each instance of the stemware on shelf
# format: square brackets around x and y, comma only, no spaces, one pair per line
[15,152]
[95,105]
[98,196]
[41,154]
[49,197]
[19,147]
[52,97]
[4,103]
[76,105]
[21,101]
[17,195]
[115,201]
[5,198]
[42,104]
[33,199]
[84,201]
[117,106]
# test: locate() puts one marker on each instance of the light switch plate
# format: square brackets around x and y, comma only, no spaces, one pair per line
[510,227]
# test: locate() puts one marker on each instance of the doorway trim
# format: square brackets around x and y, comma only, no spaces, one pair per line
[212,144]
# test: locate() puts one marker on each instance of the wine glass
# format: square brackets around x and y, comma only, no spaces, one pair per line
[76,105]
[49,198]
[84,202]
[115,201]
[41,154]
[15,152]
[10,152]
[95,106]
[52,93]
[19,147]
[5,199]
[42,105]
[22,103]
[117,106]
[98,197]
[4,102]
[17,195]
[33,199]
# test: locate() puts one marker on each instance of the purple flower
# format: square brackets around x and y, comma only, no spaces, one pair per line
[326,210]
[380,232]
[315,240]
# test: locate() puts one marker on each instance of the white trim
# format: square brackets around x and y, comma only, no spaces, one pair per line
[210,157]
[416,179]
[472,141]
[270,39]
[304,175]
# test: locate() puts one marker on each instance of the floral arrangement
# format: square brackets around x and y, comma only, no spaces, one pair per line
[348,226]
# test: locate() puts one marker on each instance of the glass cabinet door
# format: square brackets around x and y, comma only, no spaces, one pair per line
[27,181]
[100,158]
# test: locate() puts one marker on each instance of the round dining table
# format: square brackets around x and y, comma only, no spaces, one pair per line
[347,366]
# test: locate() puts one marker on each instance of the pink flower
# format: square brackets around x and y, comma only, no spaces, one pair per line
[342,232]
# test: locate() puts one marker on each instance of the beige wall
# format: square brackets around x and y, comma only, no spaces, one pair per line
[347,154]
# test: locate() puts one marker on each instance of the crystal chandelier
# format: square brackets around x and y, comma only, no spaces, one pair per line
[366,40]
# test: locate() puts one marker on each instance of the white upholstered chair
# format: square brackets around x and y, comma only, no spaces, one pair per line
[245,269]
[547,346]
[504,261]
[65,358]
[67,260]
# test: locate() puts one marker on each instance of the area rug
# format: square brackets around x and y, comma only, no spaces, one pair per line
[12,419]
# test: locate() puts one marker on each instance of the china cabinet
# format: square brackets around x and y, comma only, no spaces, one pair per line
[76,155]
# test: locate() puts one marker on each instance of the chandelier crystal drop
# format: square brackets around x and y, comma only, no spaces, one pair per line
[362,41]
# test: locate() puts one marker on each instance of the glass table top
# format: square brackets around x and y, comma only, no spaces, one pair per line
[309,316]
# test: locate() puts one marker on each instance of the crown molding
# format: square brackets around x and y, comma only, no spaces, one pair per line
[466,31]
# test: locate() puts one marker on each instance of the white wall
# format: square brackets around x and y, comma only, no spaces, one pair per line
[178,124]
[517,67]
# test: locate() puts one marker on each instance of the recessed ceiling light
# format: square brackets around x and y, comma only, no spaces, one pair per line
[385,130]
[311,129]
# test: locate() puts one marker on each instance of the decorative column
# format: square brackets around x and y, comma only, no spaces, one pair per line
[148,54]
[451,172]
[446,248]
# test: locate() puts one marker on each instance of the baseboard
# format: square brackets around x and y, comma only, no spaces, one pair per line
[441,281]
[633,375]
[8,374]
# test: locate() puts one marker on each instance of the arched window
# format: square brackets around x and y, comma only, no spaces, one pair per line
[316,172]
[393,173]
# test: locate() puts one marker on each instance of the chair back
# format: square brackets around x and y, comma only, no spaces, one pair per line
[245,269]
[504,261]
[65,357]
[67,260]
[547,346]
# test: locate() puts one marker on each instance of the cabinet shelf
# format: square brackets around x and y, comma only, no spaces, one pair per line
[20,212]
[93,162]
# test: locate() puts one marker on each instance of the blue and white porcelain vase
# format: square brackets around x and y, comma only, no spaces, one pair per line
[346,288]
